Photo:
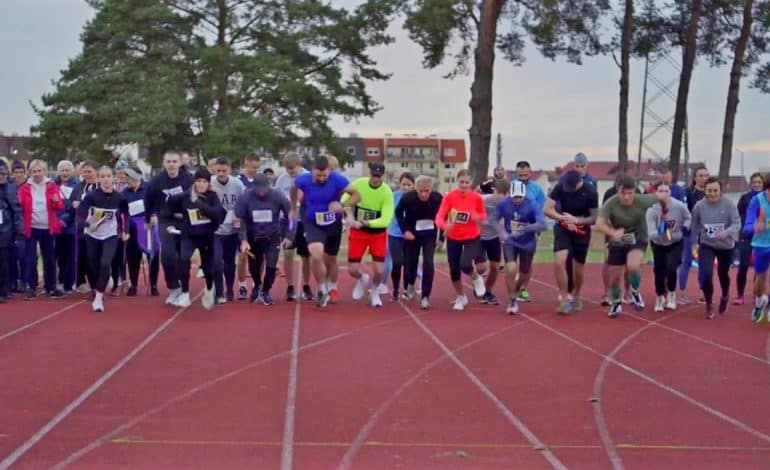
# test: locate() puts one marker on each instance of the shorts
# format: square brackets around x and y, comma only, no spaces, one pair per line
[330,236]
[517,255]
[490,250]
[360,240]
[761,260]
[577,245]
[300,242]
[617,254]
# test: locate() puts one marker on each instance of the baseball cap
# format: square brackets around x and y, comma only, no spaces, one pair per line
[571,180]
[377,168]
[580,159]
[518,189]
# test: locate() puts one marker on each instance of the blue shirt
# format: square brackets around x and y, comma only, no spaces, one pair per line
[394,229]
[527,217]
[318,196]
[762,239]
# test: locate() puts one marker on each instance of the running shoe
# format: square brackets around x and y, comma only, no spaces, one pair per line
[577,305]
[291,296]
[173,296]
[97,305]
[230,296]
[322,299]
[410,293]
[523,296]
[723,303]
[513,307]
[638,300]
[154,292]
[490,299]
[738,300]
[207,300]
[183,301]
[605,302]
[758,314]
[334,296]
[479,289]
[254,298]
[221,300]
[307,293]
[132,292]
[266,299]
[243,293]
[627,298]
[565,307]
[709,311]
[459,303]
[424,303]
[382,289]
[671,301]
[374,298]
[615,310]
[660,302]
[360,289]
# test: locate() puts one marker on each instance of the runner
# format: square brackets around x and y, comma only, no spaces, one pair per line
[668,222]
[89,183]
[228,189]
[264,217]
[370,217]
[626,296]
[137,245]
[490,251]
[460,215]
[695,193]
[396,247]
[715,226]
[41,202]
[11,229]
[249,171]
[624,220]
[757,228]
[321,220]
[522,220]
[744,245]
[202,214]
[573,205]
[64,243]
[415,214]
[105,212]
[534,191]
[293,165]
[169,182]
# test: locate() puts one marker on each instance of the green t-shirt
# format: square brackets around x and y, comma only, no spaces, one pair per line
[631,218]
[375,206]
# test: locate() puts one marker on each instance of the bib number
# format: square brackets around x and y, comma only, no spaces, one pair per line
[712,229]
[325,218]
[461,217]
[136,207]
[197,217]
[628,239]
[365,214]
[424,224]
[262,216]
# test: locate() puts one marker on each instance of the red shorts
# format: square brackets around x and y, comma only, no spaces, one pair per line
[360,240]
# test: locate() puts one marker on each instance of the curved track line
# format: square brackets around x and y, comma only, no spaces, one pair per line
[368,427]
[40,320]
[512,418]
[48,427]
[82,452]
[287,452]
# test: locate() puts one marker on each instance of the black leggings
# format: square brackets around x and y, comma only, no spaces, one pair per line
[100,254]
[134,256]
[118,263]
[412,253]
[170,249]
[706,269]
[205,247]
[460,254]
[744,258]
[396,250]
[265,250]
[666,261]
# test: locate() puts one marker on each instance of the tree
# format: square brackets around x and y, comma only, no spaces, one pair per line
[241,75]
[627,31]
[556,28]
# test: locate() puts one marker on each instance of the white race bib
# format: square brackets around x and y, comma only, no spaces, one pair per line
[365,214]
[173,191]
[424,224]
[325,218]
[1,217]
[197,217]
[262,216]
[66,191]
[712,229]
[628,239]
[136,207]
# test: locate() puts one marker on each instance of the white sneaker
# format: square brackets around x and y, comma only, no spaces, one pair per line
[374,296]
[173,296]
[513,307]
[84,288]
[479,289]
[671,302]
[183,301]
[361,284]
[410,293]
[98,303]
[424,303]
[659,302]
[208,299]
[383,289]
[460,302]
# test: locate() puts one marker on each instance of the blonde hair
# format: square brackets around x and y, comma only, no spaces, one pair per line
[37,163]
[291,159]
[334,164]
[65,165]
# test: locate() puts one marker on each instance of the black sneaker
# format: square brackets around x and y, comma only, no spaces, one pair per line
[154,292]
[291,296]
[230,296]
[68,293]
[322,298]
[254,295]
[723,302]
[266,299]
[55,294]
[131,292]
[307,294]
[30,294]
[243,293]
[489,299]
[394,296]
[615,310]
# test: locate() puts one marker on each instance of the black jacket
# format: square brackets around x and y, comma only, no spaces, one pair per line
[200,218]
[11,225]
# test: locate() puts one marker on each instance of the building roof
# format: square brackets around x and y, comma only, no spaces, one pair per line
[412,142]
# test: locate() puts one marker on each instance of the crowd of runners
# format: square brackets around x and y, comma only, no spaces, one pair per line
[97,228]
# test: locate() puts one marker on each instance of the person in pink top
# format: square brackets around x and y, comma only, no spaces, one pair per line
[459,216]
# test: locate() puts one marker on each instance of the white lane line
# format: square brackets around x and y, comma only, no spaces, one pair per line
[42,432]
[366,429]
[512,418]
[40,320]
[287,451]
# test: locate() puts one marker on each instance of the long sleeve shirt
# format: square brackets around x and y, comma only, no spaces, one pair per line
[11,226]
[228,194]
[710,218]
[418,216]
[523,220]
[262,217]
[200,218]
[375,206]
[160,189]
[459,207]
[758,213]
[105,214]
[665,229]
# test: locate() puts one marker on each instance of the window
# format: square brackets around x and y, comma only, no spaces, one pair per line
[447,166]
[373,152]
[351,151]
[446,180]
[432,166]
[404,165]
[450,152]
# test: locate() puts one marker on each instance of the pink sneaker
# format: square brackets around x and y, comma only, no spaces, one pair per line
[738,300]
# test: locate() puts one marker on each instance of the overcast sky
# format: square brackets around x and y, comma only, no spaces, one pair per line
[546,111]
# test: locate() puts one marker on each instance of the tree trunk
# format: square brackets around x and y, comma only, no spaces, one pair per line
[688,62]
[481,91]
[732,92]
[223,45]
[625,53]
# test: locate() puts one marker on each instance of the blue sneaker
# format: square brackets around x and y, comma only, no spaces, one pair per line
[565,307]
[266,299]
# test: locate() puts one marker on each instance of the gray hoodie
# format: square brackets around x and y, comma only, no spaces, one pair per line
[709,218]
[677,217]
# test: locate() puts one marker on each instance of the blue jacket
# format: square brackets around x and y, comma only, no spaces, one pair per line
[11,225]
[393,228]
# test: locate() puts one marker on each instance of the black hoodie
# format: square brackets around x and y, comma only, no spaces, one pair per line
[200,218]
[160,189]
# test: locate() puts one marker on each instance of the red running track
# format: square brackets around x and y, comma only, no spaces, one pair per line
[246,386]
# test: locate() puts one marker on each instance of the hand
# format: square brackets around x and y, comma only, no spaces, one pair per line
[721,235]
[475,217]
[569,219]
[245,247]
[154,220]
[449,226]
[125,236]
[336,206]
[288,244]
[517,233]
[409,236]
[173,230]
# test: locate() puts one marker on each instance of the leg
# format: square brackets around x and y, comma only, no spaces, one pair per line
[579,255]
[560,272]
[48,253]
[271,261]
[5,258]
[469,251]
[170,259]
[206,251]
[396,253]
[288,267]
[134,261]
[744,259]
[684,269]
[218,265]
[454,252]
[494,255]
[706,272]
[428,245]
[569,266]
[255,264]
[188,246]
[673,260]
[724,261]
[660,257]
[30,261]
[317,264]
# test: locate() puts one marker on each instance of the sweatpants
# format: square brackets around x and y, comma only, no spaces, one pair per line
[396,252]
[43,238]
[170,250]
[65,260]
[744,261]
[265,250]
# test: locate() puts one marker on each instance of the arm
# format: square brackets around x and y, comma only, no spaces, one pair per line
[752,213]
[540,222]
[150,196]
[402,216]
[242,213]
[18,221]
[603,225]
[695,223]
[549,210]
[212,207]
[734,229]
[480,209]
[386,213]
[686,219]
[286,227]
[652,223]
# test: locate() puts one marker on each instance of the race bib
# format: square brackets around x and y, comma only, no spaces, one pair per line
[173,191]
[66,191]
[424,224]
[365,214]
[516,225]
[102,214]
[461,217]
[712,229]
[628,239]
[325,218]
[229,217]
[1,217]
[136,207]
[197,217]
[262,216]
